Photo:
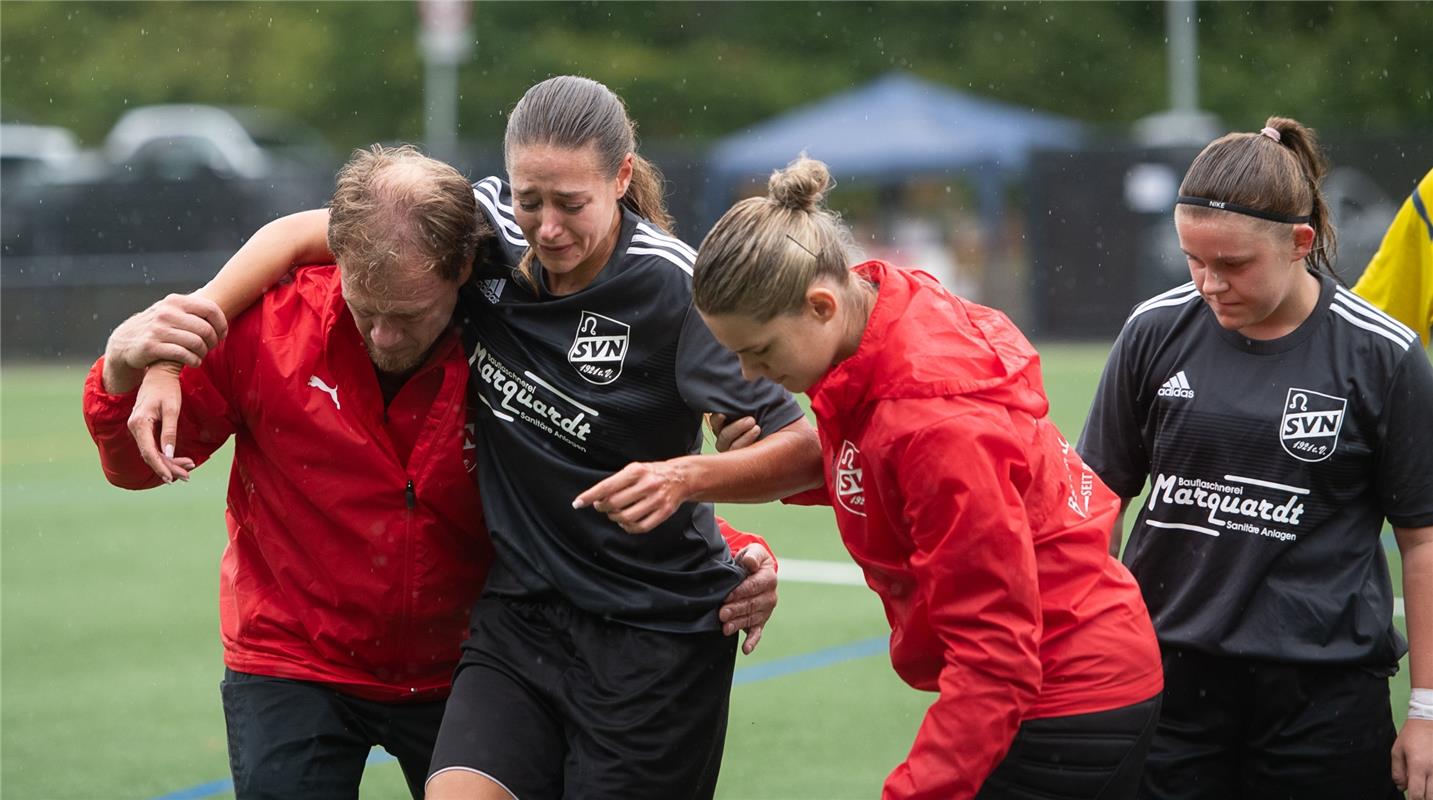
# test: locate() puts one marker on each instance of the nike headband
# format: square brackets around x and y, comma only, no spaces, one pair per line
[1292,219]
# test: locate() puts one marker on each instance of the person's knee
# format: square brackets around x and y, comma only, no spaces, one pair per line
[462,784]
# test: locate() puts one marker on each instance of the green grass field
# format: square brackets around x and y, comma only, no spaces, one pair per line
[109,650]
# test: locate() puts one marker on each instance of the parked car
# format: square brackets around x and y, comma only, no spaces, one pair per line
[30,151]
[187,141]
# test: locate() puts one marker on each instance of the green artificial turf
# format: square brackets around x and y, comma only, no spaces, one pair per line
[109,644]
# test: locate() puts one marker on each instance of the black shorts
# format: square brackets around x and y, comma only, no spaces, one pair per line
[1096,756]
[550,702]
[302,740]
[1237,729]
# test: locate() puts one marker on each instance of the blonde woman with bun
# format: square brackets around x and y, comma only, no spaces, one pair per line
[982,531]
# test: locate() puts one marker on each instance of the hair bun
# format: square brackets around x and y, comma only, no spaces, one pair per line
[801,186]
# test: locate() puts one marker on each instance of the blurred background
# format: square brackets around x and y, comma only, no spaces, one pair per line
[1025,153]
[1028,154]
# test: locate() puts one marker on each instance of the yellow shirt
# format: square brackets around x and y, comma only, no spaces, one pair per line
[1399,279]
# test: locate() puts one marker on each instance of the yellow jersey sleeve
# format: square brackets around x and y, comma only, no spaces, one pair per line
[1399,279]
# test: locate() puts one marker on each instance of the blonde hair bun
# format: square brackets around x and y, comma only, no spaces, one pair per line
[801,186]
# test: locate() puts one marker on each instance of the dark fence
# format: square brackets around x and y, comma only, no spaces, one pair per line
[76,259]
[1102,240]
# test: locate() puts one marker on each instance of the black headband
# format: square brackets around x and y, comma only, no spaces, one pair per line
[1245,210]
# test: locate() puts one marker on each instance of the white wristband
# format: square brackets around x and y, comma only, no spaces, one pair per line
[1420,704]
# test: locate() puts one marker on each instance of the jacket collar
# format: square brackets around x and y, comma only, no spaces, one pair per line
[921,342]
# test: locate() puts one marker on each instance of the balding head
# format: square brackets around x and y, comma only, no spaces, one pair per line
[404,229]
[395,212]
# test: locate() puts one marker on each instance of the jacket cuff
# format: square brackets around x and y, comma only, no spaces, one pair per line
[100,404]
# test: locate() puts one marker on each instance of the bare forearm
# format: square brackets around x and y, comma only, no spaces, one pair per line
[782,464]
[287,242]
[1117,530]
[1417,549]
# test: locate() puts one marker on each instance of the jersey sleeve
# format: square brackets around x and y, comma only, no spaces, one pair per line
[1405,456]
[206,420]
[1112,443]
[975,570]
[495,203]
[709,380]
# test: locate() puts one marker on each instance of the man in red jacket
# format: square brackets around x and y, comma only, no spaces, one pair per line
[356,545]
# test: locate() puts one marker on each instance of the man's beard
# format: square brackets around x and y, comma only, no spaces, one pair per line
[394,364]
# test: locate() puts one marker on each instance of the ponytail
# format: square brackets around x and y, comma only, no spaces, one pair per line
[1275,174]
[1304,145]
[646,194]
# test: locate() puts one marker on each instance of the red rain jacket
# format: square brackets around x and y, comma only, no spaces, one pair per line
[981,529]
[356,543]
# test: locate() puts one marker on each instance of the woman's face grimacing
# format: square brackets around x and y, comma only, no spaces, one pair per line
[567,208]
[1251,275]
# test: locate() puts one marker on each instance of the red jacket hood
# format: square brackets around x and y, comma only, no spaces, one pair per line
[948,347]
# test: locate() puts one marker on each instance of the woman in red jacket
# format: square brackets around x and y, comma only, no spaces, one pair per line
[974,520]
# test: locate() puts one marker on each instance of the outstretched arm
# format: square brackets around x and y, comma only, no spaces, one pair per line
[274,249]
[643,494]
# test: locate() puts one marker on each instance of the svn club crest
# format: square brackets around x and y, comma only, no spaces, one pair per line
[848,480]
[599,348]
[1310,425]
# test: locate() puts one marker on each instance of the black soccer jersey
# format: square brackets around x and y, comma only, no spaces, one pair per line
[1272,465]
[577,387]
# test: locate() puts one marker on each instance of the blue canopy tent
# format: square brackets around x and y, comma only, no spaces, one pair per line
[890,130]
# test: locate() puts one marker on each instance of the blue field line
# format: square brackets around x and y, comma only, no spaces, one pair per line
[814,660]
[227,785]
[202,790]
[771,669]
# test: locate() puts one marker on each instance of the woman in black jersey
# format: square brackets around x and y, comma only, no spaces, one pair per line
[597,665]
[1280,419]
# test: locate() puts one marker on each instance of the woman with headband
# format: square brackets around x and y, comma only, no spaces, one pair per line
[1280,420]
[983,533]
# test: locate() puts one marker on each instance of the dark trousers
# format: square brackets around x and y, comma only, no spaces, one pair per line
[552,702]
[294,739]
[1240,729]
[1096,756]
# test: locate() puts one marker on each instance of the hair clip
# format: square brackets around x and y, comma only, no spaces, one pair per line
[800,245]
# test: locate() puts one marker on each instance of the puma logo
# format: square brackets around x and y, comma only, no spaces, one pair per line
[331,391]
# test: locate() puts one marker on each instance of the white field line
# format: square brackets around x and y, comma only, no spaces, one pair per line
[844,573]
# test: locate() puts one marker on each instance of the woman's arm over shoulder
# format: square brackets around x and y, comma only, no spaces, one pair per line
[287,242]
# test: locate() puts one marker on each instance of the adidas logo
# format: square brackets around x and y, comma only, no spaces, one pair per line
[492,289]
[1178,386]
